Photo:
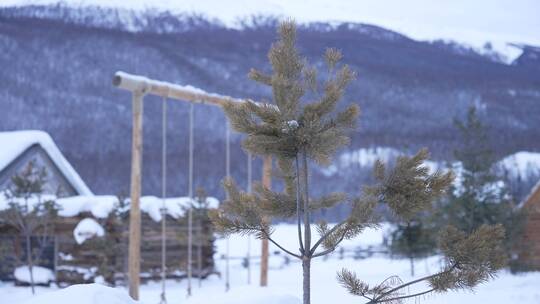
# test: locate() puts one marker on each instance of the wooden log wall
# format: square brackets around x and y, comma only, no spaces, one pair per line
[108,256]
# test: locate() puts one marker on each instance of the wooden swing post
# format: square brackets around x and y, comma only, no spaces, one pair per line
[139,86]
[135,193]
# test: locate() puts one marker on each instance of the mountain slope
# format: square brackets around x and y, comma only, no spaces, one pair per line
[476,23]
[56,76]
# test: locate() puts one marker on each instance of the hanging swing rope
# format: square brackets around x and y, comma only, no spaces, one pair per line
[248,255]
[199,247]
[190,194]
[163,299]
[228,174]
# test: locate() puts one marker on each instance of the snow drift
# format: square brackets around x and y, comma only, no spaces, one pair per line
[83,294]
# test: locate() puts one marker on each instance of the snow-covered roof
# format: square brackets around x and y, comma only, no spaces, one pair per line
[101,205]
[15,143]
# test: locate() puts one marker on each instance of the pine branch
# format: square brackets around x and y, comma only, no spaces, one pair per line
[376,299]
[327,251]
[325,236]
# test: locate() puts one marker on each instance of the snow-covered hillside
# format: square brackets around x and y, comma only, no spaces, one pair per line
[363,158]
[520,165]
[473,23]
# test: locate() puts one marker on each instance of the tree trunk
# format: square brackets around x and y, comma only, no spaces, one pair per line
[306,269]
[267,182]
[30,261]
[55,257]
[307,213]
[306,259]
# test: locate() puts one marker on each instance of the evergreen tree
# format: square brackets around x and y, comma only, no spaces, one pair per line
[303,127]
[481,195]
[29,213]
[414,239]
[110,248]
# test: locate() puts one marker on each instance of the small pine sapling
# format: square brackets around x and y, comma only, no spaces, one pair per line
[30,213]
[481,197]
[302,127]
[413,239]
[110,248]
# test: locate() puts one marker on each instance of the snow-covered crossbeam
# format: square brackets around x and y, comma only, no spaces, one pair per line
[145,85]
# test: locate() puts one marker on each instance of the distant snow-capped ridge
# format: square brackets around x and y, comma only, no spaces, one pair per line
[160,20]
[113,18]
[523,165]
[165,21]
[362,158]
[502,53]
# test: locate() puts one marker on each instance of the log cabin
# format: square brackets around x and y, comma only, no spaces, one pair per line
[90,239]
[90,235]
[530,252]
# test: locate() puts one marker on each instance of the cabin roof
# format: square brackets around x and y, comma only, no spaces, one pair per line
[15,143]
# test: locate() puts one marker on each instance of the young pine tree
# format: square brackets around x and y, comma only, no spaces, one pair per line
[300,128]
[481,196]
[29,213]
[413,239]
[110,248]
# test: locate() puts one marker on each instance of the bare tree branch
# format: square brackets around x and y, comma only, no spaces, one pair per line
[279,246]
[401,297]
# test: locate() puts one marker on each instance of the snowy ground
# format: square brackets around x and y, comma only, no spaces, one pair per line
[284,281]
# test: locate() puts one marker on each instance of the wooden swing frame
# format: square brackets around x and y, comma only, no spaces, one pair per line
[139,86]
